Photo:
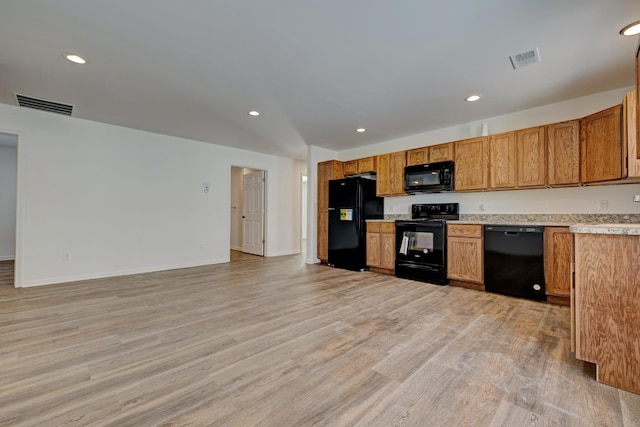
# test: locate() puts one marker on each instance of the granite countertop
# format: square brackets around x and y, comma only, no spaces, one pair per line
[631,229]
[578,223]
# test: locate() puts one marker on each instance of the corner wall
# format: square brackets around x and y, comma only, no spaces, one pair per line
[8,168]
[99,200]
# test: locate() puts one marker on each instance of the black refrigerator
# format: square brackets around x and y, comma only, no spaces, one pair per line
[351,202]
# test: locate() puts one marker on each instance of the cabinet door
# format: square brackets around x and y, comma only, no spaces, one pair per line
[373,249]
[396,177]
[384,171]
[558,249]
[323,236]
[601,144]
[388,245]
[629,139]
[328,170]
[367,164]
[441,152]
[638,102]
[350,167]
[502,160]
[388,251]
[531,169]
[418,156]
[471,164]
[563,141]
[465,259]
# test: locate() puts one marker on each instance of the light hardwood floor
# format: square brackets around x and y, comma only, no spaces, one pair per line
[276,342]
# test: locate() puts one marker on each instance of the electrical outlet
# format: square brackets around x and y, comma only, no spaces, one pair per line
[603,205]
[205,187]
[66,256]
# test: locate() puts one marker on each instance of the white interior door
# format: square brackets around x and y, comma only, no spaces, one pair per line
[253,213]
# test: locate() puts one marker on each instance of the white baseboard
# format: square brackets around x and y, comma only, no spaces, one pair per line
[76,278]
[7,257]
[236,248]
[284,253]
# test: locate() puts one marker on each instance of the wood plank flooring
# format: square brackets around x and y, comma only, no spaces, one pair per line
[276,342]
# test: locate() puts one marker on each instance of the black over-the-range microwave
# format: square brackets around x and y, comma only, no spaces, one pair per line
[429,178]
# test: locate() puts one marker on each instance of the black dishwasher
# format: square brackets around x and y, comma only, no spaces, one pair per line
[514,261]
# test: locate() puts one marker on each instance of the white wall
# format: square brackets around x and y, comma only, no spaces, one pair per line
[315,155]
[121,201]
[8,163]
[560,200]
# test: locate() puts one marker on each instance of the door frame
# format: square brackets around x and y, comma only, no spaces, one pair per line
[265,195]
[20,190]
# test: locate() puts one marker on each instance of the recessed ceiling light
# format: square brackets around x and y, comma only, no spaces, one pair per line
[75,58]
[472,98]
[360,130]
[254,113]
[631,29]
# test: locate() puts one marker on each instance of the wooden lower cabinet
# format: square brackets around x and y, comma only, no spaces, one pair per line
[558,258]
[465,255]
[381,246]
[607,307]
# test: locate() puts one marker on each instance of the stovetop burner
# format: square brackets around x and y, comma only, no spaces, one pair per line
[435,212]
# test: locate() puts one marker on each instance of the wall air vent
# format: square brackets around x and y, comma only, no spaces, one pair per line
[525,58]
[43,105]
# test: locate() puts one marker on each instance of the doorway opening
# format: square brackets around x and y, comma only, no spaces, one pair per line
[247,213]
[303,212]
[8,207]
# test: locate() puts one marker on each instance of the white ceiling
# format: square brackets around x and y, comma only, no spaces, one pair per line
[316,70]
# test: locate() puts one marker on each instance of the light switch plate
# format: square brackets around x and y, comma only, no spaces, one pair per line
[636,198]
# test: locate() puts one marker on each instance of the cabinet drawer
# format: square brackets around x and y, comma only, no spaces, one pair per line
[387,227]
[373,227]
[464,230]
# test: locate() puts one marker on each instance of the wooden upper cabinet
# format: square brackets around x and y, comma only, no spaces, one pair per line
[350,167]
[367,165]
[441,152]
[328,170]
[601,145]
[471,164]
[502,160]
[418,156]
[431,154]
[364,165]
[531,154]
[630,120]
[638,101]
[563,145]
[390,179]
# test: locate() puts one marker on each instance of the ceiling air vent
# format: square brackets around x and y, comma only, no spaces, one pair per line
[43,105]
[525,58]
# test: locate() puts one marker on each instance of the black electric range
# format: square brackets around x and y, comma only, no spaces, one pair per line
[421,243]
